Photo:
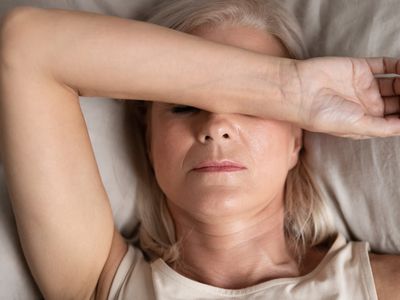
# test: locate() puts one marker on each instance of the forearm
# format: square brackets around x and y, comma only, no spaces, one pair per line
[99,55]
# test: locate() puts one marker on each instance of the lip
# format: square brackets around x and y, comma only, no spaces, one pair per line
[219,166]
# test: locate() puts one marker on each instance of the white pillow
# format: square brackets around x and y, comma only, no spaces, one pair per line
[358,177]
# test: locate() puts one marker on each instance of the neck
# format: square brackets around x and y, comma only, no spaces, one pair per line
[237,253]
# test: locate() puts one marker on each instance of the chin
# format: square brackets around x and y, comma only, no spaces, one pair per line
[221,202]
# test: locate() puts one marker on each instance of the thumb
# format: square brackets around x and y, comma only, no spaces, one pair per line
[378,126]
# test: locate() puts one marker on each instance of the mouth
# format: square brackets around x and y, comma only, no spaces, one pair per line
[219,166]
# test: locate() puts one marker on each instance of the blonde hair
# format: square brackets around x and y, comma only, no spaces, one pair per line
[307,221]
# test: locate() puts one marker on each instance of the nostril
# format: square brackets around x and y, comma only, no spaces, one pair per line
[209,137]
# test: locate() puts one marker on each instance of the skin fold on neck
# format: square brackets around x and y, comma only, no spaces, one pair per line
[239,253]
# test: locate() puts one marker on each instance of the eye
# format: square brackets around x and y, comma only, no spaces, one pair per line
[184,109]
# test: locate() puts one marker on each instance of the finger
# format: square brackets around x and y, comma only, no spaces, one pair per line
[354,136]
[392,105]
[362,137]
[378,127]
[384,65]
[373,101]
[389,86]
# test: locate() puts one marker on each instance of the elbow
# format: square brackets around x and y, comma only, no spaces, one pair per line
[16,37]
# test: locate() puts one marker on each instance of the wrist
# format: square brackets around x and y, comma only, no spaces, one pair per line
[267,87]
[286,104]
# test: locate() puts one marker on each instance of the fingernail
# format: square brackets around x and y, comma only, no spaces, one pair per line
[391,75]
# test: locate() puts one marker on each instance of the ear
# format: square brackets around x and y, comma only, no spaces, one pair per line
[297,145]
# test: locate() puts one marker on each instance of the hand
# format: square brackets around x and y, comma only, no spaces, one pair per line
[342,97]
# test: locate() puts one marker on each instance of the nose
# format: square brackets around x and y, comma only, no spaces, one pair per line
[217,127]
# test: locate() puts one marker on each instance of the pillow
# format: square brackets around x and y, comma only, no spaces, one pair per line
[350,173]
[357,177]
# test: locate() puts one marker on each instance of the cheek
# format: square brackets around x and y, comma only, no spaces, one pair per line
[270,146]
[169,145]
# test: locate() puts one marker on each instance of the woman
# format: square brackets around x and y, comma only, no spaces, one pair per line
[229,223]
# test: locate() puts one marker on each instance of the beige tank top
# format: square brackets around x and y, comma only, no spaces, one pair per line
[344,273]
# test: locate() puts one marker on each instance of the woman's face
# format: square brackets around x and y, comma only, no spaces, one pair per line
[183,137]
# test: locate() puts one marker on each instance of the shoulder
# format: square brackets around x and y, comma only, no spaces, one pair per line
[386,272]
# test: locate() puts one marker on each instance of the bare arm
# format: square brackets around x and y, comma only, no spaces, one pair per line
[62,211]
[98,55]
[386,272]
